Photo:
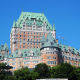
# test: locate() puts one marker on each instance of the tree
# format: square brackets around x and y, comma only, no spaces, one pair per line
[22,74]
[43,70]
[34,75]
[4,71]
[63,70]
[77,73]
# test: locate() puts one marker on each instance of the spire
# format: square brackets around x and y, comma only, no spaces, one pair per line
[6,46]
[54,27]
[14,24]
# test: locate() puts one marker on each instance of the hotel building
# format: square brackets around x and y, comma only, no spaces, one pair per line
[33,41]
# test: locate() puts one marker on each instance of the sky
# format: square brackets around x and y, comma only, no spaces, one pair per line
[65,14]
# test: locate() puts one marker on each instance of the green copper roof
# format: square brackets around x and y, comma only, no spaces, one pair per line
[43,39]
[49,41]
[28,17]
[4,47]
[54,27]
[25,53]
[66,48]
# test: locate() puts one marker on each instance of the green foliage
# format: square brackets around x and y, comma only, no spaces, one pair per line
[34,75]
[22,74]
[43,70]
[4,71]
[10,78]
[63,70]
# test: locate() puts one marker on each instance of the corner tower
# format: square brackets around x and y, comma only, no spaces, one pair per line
[50,51]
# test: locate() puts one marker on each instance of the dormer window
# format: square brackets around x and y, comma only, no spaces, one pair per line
[25,54]
[42,43]
[0,57]
[51,43]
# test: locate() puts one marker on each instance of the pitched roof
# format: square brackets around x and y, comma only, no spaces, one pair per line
[49,41]
[67,48]
[27,18]
[25,53]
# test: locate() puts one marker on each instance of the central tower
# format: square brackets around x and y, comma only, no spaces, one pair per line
[28,30]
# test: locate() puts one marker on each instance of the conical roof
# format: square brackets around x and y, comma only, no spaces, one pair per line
[49,41]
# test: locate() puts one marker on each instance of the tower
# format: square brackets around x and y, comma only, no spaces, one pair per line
[28,30]
[49,50]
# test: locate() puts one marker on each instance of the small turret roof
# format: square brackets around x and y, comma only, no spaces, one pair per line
[4,47]
[54,27]
[49,41]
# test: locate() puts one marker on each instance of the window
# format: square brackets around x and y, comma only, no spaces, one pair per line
[69,58]
[42,43]
[23,43]
[31,39]
[51,43]
[20,35]
[25,54]
[54,62]
[28,32]
[28,39]
[27,43]
[21,55]
[51,62]
[70,63]
[49,57]
[54,57]
[23,25]
[23,46]
[24,39]
[65,57]
[13,63]
[24,32]
[26,62]
[35,62]
[73,59]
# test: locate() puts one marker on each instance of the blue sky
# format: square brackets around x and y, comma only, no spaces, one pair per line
[65,14]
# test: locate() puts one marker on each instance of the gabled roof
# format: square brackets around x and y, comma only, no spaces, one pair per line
[28,17]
